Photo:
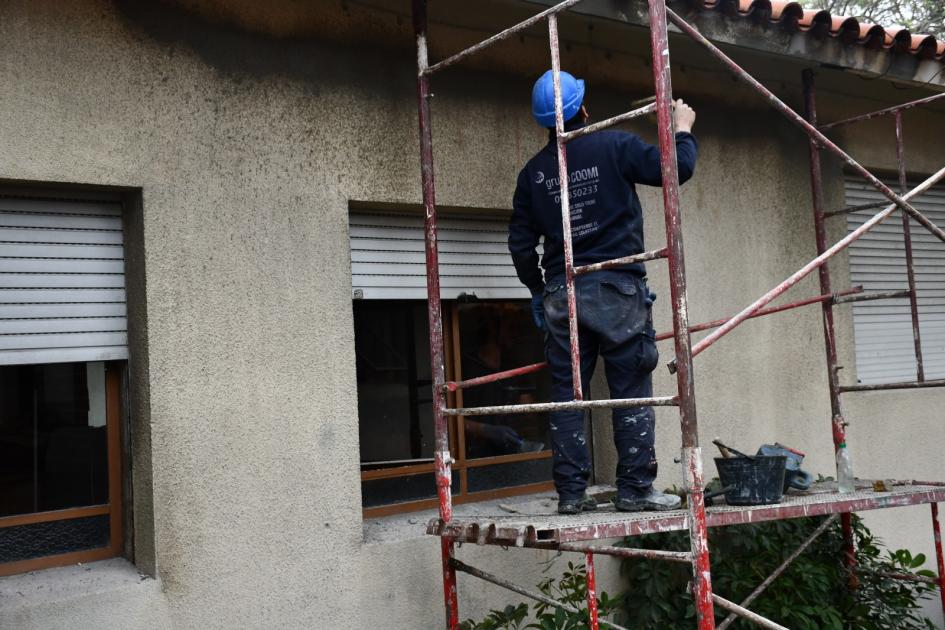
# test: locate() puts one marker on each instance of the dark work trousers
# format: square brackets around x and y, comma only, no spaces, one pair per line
[615,322]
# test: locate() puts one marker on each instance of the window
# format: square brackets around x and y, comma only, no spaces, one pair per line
[487,328]
[63,342]
[883,329]
[59,464]
[495,455]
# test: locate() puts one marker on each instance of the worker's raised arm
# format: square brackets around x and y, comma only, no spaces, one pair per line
[524,238]
[640,162]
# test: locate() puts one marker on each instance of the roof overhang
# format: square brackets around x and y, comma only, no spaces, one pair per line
[774,39]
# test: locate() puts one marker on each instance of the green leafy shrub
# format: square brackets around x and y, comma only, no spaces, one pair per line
[570,589]
[812,594]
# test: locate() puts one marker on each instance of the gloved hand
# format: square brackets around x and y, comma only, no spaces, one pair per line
[502,436]
[538,312]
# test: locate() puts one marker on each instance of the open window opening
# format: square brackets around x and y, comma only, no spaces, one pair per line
[487,327]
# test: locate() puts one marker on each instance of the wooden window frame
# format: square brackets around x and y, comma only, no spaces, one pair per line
[113,379]
[457,432]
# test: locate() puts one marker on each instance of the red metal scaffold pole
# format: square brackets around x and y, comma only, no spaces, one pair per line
[442,458]
[830,336]
[691,453]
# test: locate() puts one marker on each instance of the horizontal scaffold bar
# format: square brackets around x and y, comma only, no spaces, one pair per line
[849,295]
[498,37]
[515,588]
[851,209]
[887,386]
[884,112]
[871,297]
[627,552]
[774,309]
[805,126]
[568,136]
[905,577]
[619,262]
[498,376]
[617,403]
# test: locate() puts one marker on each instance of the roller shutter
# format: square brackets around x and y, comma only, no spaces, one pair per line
[388,260]
[62,281]
[883,329]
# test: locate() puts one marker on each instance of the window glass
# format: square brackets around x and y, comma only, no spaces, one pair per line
[497,476]
[394,400]
[497,336]
[394,408]
[53,441]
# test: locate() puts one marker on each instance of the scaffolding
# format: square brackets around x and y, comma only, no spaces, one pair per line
[578,533]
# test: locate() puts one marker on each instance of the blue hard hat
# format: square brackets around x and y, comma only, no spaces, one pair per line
[543,98]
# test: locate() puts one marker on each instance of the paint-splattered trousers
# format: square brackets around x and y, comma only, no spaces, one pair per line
[615,322]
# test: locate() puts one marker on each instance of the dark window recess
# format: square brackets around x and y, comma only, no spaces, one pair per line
[498,336]
[394,398]
[498,476]
[53,439]
[393,364]
[25,542]
[401,489]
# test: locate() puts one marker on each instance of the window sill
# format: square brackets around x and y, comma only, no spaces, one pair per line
[63,584]
[413,525]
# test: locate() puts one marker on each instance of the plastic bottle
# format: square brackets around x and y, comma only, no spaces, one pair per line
[844,470]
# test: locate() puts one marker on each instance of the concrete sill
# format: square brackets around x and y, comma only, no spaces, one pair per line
[64,584]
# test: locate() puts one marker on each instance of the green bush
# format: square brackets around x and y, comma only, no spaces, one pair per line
[813,594]
[570,589]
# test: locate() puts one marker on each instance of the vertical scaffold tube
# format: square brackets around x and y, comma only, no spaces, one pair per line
[692,455]
[591,592]
[442,459]
[937,533]
[564,191]
[830,341]
[907,239]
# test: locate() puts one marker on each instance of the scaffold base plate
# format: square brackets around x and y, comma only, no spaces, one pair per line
[547,528]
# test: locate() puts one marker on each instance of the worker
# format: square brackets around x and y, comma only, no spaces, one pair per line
[614,305]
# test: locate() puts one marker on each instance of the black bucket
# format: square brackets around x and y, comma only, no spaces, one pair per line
[757,480]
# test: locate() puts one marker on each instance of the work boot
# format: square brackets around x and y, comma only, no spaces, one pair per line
[656,501]
[576,506]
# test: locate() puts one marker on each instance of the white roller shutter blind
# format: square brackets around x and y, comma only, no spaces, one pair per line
[387,257]
[883,329]
[62,281]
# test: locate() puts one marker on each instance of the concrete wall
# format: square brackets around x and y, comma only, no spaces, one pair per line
[244,149]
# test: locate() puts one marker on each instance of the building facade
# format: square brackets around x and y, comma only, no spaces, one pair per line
[224,379]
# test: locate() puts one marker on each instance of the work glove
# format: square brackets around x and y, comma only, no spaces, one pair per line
[502,436]
[538,312]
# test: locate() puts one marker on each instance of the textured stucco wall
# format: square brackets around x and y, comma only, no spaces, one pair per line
[247,149]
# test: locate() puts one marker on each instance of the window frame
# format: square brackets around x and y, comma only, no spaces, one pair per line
[114,371]
[457,435]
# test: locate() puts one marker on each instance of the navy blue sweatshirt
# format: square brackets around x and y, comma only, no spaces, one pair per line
[606,216]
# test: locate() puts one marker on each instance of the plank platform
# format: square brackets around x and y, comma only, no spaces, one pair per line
[547,528]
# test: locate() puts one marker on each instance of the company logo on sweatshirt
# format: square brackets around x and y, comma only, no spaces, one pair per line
[580,175]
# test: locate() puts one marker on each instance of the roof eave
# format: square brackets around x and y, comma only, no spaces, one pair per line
[773,38]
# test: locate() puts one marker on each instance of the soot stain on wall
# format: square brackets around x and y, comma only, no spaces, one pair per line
[243,55]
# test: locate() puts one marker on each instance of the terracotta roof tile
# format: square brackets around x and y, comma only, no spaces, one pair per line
[821,24]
